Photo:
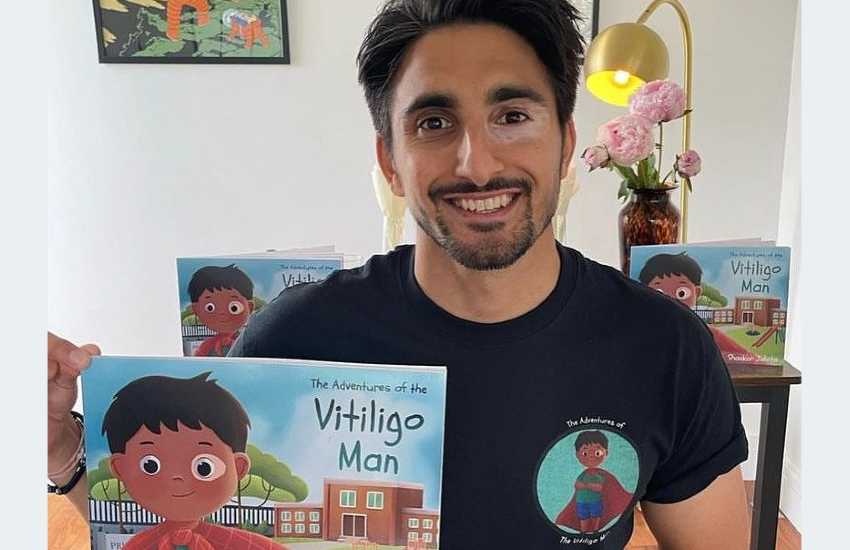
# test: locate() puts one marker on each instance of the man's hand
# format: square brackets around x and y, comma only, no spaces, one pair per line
[65,362]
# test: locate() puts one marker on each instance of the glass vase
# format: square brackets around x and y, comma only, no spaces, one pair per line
[647,218]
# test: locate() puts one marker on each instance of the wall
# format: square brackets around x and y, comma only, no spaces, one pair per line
[789,234]
[150,162]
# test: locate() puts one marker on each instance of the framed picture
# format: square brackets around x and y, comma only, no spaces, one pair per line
[589,26]
[191,31]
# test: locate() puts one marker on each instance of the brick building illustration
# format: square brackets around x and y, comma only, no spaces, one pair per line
[748,310]
[387,513]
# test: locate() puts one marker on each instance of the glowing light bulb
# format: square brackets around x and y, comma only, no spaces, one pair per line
[621,77]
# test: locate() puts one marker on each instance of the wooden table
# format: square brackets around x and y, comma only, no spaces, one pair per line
[769,386]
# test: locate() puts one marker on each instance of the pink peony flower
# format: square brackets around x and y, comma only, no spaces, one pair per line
[659,101]
[688,164]
[595,157]
[628,139]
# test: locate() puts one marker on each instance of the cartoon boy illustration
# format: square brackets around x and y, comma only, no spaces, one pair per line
[222,300]
[178,446]
[598,496]
[680,276]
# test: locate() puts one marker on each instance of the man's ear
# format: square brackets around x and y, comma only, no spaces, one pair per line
[196,308]
[243,464]
[569,147]
[698,290]
[250,306]
[385,161]
[116,464]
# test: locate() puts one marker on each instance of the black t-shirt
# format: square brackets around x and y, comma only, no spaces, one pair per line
[558,421]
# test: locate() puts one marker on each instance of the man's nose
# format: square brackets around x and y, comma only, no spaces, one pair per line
[477,160]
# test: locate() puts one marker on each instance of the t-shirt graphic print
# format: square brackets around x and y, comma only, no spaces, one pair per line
[586,481]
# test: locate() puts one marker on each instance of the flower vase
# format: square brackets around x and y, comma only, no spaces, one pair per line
[647,218]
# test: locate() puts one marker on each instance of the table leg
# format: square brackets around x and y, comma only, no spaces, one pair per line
[771,451]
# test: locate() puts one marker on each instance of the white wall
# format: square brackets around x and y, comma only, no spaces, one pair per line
[789,233]
[149,162]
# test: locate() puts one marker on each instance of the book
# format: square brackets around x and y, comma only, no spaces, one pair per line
[278,452]
[738,288]
[219,294]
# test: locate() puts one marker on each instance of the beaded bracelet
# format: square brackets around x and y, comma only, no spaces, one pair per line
[79,457]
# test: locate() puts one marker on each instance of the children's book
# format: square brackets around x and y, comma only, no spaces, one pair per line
[236,453]
[219,294]
[740,291]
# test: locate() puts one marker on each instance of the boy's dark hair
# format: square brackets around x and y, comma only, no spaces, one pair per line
[211,278]
[549,26]
[664,265]
[154,401]
[589,438]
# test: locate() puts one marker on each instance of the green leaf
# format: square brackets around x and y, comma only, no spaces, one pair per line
[624,193]
[643,172]
[688,181]
[627,173]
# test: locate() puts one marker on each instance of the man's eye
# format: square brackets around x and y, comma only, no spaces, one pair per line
[683,293]
[435,123]
[210,307]
[598,454]
[235,307]
[149,465]
[207,467]
[512,117]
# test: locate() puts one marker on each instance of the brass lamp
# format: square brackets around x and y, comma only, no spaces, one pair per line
[625,56]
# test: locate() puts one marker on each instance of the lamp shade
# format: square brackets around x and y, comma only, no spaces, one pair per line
[621,59]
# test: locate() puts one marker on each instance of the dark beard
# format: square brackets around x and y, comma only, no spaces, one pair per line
[488,256]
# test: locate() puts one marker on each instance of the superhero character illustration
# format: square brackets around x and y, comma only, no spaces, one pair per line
[222,299]
[599,497]
[680,277]
[178,446]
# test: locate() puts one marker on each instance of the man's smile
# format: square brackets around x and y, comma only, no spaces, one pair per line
[190,493]
[493,206]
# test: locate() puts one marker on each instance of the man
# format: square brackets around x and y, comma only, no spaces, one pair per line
[472,104]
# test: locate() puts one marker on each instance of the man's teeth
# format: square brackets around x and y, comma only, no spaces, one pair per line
[484,205]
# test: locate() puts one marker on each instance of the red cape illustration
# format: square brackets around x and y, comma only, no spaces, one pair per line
[203,536]
[615,500]
[731,350]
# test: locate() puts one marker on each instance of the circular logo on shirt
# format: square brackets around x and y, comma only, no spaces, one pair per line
[587,480]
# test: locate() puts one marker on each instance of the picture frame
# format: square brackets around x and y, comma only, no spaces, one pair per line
[589,27]
[192,31]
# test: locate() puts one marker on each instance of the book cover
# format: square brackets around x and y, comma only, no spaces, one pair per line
[218,295]
[740,292]
[230,453]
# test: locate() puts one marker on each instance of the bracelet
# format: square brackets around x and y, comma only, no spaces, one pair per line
[79,457]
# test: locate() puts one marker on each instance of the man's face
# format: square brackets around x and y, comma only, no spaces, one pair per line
[223,311]
[476,149]
[181,476]
[679,287]
[592,455]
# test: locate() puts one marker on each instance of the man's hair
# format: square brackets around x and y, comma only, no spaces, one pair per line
[664,265]
[589,438]
[219,278]
[154,401]
[548,26]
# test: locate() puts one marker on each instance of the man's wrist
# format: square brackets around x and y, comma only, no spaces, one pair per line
[63,446]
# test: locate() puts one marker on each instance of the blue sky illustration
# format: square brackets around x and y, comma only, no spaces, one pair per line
[716,261]
[279,399]
[268,274]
